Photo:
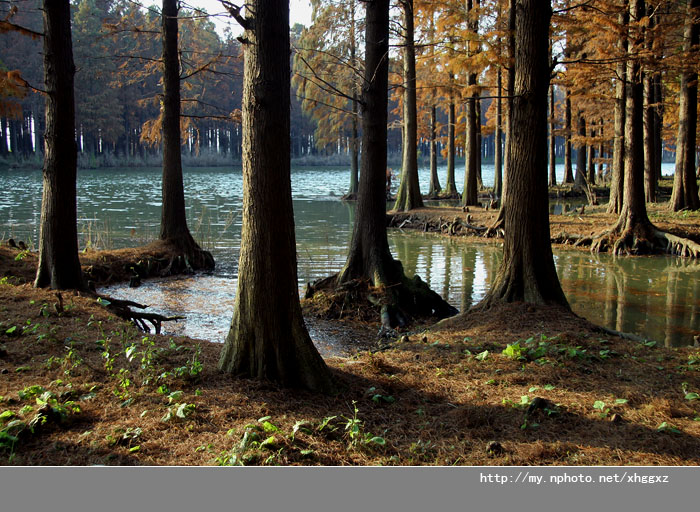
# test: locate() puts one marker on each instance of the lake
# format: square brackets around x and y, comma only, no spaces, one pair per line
[655,297]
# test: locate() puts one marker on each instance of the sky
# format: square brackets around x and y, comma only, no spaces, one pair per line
[299,12]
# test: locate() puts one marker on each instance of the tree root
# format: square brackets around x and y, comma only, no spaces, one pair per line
[644,241]
[677,245]
[396,305]
[122,308]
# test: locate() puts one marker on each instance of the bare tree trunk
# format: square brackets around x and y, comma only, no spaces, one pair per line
[552,141]
[649,118]
[568,173]
[59,265]
[450,186]
[618,157]
[408,195]
[590,165]
[498,149]
[527,272]
[173,222]
[685,188]
[435,187]
[369,257]
[267,338]
[470,191]
[580,180]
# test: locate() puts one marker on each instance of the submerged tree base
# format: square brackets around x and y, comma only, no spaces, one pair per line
[396,305]
[642,238]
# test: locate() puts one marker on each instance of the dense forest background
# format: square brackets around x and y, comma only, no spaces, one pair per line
[117,54]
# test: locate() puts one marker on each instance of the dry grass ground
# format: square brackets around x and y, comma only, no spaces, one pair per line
[79,387]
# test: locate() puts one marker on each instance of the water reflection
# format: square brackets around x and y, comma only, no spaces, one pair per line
[655,297]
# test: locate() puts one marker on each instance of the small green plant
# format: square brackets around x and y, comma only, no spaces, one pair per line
[21,255]
[514,351]
[667,427]
[354,431]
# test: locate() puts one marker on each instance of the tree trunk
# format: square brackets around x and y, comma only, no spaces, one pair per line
[634,211]
[435,187]
[552,141]
[3,137]
[590,163]
[354,143]
[369,253]
[268,338]
[369,258]
[650,131]
[568,173]
[498,149]
[59,266]
[527,271]
[408,195]
[580,180]
[618,157]
[173,222]
[450,186]
[685,187]
[470,191]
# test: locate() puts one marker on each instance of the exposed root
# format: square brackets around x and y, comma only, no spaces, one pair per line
[360,300]
[122,308]
[497,229]
[677,245]
[644,240]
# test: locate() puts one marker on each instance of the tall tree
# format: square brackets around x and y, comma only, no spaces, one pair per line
[268,338]
[618,156]
[685,187]
[327,72]
[634,233]
[471,146]
[59,266]
[408,195]
[173,222]
[527,271]
[369,257]
[450,190]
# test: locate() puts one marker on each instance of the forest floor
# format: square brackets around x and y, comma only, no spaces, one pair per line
[517,385]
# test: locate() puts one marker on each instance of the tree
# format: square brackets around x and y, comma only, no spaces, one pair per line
[618,157]
[527,272]
[327,69]
[369,258]
[267,338]
[173,222]
[408,195]
[59,266]
[471,146]
[685,187]
[634,233]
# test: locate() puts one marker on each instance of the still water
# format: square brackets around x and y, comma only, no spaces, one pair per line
[658,297]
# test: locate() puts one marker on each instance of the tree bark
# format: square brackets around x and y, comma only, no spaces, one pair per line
[470,192]
[268,338]
[498,150]
[552,141]
[408,195]
[369,257]
[435,187]
[580,180]
[685,188]
[450,186]
[527,271]
[59,265]
[568,173]
[618,157]
[173,222]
